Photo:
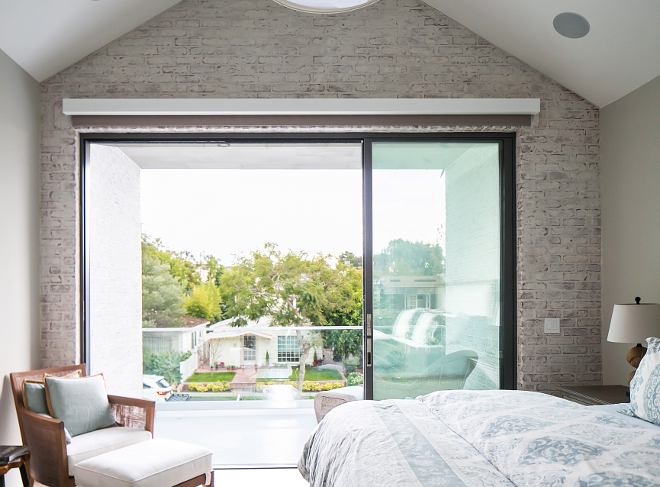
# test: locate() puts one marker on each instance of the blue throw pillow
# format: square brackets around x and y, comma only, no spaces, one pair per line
[34,399]
[81,403]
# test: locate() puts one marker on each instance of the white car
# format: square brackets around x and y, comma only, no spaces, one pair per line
[155,388]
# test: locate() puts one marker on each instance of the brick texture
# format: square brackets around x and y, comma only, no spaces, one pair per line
[395,48]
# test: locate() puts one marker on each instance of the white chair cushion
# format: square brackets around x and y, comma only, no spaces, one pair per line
[156,463]
[102,441]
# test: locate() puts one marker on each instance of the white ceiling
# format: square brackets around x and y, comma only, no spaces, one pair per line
[621,53]
[46,36]
[244,156]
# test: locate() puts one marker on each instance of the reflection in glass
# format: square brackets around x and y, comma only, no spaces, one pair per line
[436,267]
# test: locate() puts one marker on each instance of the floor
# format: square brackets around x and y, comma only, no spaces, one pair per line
[273,477]
[241,434]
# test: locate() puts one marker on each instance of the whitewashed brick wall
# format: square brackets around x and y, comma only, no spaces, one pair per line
[395,48]
[114,236]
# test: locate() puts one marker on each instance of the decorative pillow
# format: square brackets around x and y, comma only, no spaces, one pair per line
[34,397]
[67,436]
[73,375]
[645,386]
[81,403]
[34,393]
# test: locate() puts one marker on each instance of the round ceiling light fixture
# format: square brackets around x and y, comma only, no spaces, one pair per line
[325,6]
[571,25]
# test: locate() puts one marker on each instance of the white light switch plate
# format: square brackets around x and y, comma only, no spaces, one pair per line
[551,325]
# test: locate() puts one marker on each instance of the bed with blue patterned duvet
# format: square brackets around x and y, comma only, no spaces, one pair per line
[480,438]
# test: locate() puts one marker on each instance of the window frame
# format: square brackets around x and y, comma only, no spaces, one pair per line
[508,221]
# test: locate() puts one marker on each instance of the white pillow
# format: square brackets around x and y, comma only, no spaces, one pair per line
[645,386]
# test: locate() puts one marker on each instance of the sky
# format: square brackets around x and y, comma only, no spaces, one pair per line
[229,212]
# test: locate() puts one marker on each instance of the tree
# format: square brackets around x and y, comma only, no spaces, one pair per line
[405,258]
[292,288]
[349,258]
[215,269]
[346,343]
[166,364]
[162,295]
[182,265]
[204,302]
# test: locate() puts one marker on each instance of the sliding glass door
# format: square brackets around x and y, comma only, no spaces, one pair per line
[230,265]
[436,272]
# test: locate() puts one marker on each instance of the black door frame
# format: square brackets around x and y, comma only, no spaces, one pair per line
[508,258]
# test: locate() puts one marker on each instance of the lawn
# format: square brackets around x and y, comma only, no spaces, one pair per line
[316,374]
[215,377]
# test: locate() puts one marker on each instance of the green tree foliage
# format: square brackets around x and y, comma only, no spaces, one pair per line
[162,295]
[293,289]
[347,343]
[165,364]
[349,258]
[215,269]
[405,258]
[204,302]
[182,265]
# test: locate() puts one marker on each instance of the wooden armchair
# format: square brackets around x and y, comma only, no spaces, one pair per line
[45,436]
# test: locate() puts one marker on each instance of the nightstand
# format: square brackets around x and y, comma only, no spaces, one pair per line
[23,464]
[595,395]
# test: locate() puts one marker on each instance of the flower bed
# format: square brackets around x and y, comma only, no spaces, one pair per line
[308,385]
[209,387]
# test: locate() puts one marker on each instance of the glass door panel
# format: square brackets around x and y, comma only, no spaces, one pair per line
[249,350]
[436,267]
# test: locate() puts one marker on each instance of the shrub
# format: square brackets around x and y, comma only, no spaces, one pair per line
[350,365]
[355,379]
[165,364]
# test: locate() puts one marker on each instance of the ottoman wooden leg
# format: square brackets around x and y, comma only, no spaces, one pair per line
[197,481]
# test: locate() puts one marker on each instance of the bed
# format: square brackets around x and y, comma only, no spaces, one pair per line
[481,438]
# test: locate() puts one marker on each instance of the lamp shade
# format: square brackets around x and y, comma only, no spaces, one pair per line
[634,323]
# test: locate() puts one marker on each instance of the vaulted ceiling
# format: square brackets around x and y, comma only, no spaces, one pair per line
[620,54]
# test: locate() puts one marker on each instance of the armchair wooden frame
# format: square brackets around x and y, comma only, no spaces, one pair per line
[45,436]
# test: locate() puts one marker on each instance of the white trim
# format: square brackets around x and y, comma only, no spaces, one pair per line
[302,106]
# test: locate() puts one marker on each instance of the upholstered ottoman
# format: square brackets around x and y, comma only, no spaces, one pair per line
[154,463]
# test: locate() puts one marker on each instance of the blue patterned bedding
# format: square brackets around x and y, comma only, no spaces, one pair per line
[479,438]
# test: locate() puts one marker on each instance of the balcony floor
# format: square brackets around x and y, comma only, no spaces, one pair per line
[243,434]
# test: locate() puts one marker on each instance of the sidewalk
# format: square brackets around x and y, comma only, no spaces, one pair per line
[245,379]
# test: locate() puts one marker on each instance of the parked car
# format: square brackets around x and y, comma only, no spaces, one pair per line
[155,388]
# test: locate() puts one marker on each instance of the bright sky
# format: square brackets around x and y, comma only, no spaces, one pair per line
[227,212]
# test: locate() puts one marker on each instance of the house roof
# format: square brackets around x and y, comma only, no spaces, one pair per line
[189,321]
[619,55]
[192,322]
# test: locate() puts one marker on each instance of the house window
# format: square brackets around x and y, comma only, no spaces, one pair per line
[288,349]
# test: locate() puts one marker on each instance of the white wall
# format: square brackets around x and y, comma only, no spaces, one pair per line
[630,182]
[115,270]
[19,238]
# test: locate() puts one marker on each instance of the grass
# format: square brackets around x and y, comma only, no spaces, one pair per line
[208,377]
[316,374]
[310,374]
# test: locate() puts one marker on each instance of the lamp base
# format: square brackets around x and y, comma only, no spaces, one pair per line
[634,357]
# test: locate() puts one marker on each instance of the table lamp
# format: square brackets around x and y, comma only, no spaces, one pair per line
[634,323]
